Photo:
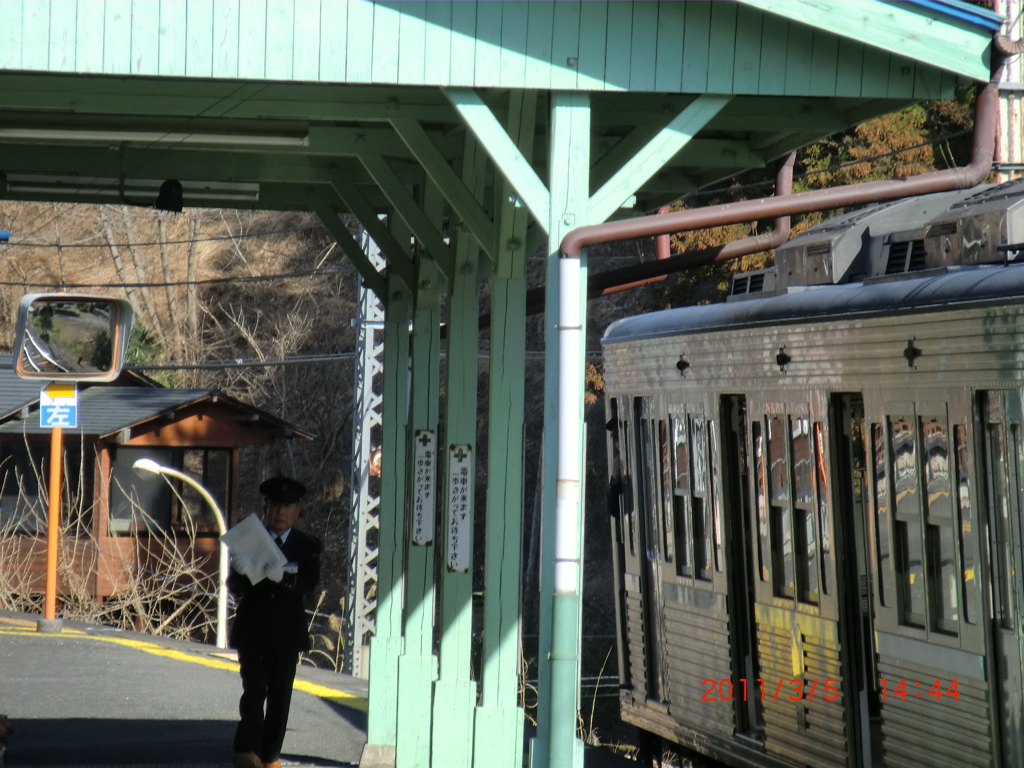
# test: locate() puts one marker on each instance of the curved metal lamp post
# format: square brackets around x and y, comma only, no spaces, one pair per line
[147,467]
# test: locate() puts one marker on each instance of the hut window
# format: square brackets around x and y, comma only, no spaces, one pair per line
[23,469]
[138,504]
[211,468]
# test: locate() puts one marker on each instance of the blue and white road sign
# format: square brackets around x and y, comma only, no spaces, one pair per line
[58,406]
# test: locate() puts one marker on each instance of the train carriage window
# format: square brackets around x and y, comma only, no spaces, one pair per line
[781,523]
[681,496]
[943,579]
[881,510]
[821,474]
[628,502]
[714,490]
[805,538]
[648,480]
[967,533]
[909,544]
[761,497]
[701,503]
[999,493]
[668,529]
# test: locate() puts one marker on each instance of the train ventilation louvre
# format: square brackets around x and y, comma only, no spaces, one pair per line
[740,285]
[907,256]
[763,281]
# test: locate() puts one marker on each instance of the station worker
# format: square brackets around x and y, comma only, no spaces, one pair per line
[271,630]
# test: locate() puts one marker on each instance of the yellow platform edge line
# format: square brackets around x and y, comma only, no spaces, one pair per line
[343,698]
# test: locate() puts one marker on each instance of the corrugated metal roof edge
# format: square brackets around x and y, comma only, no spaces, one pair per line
[978,286]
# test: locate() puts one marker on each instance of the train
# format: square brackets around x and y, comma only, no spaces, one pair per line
[816,499]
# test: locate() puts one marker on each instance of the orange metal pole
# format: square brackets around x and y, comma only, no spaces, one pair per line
[53,529]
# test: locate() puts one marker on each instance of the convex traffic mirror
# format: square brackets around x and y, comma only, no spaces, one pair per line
[72,337]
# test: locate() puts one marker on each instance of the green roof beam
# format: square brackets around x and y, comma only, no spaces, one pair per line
[372,279]
[639,169]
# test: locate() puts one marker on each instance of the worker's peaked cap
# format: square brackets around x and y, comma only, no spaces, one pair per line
[282,490]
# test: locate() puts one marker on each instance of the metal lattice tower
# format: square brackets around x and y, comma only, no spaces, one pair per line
[361,605]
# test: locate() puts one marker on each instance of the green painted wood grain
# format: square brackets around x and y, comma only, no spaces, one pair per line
[145,38]
[438,42]
[36,31]
[565,44]
[11,34]
[252,40]
[412,42]
[772,65]
[487,52]
[671,32]
[696,47]
[89,37]
[643,50]
[359,61]
[306,40]
[386,22]
[117,30]
[722,57]
[333,41]
[199,38]
[463,46]
[927,82]
[901,77]
[824,60]
[514,25]
[280,39]
[620,44]
[905,29]
[593,37]
[63,36]
[226,29]
[849,68]
[874,79]
[799,59]
[540,25]
[746,69]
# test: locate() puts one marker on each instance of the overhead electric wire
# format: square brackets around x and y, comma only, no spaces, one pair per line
[703,192]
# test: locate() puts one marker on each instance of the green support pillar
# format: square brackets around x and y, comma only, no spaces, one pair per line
[455,691]
[499,729]
[386,645]
[556,745]
[417,667]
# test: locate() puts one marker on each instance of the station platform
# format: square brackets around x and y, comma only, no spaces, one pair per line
[95,696]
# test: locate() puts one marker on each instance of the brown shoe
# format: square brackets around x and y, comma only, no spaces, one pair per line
[248,760]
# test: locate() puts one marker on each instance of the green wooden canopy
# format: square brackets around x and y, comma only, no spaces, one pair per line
[512,121]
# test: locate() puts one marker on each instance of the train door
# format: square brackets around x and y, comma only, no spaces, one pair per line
[796,608]
[934,680]
[736,501]
[853,574]
[651,552]
[631,589]
[1000,426]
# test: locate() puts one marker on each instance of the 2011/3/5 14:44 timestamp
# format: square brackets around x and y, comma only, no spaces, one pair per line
[917,690]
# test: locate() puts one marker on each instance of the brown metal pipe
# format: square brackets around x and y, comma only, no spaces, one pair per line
[805,202]
[617,280]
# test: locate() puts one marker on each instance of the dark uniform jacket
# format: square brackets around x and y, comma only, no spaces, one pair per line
[272,614]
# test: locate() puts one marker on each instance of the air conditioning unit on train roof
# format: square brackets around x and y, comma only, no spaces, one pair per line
[972,229]
[853,246]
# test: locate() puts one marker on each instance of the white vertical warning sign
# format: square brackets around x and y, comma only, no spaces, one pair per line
[423,487]
[460,507]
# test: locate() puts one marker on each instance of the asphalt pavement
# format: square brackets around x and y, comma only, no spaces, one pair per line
[94,696]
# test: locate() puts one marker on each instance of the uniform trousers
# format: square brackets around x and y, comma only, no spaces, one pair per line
[267,677]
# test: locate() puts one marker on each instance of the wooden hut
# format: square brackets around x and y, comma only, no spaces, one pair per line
[113,520]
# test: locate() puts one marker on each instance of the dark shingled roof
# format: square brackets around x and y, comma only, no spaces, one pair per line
[105,409]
